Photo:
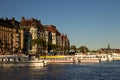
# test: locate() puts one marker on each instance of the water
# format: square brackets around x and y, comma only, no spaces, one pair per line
[99,71]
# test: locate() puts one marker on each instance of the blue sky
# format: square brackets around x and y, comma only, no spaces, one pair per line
[91,23]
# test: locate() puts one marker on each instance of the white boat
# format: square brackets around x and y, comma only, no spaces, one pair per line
[105,57]
[116,56]
[87,58]
[94,58]
[110,57]
[19,61]
[57,59]
[102,57]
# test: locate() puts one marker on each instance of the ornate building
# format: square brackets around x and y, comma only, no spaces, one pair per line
[34,30]
[58,39]
[65,44]
[18,36]
[11,36]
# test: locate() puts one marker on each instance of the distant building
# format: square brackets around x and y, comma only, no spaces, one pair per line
[105,50]
[108,50]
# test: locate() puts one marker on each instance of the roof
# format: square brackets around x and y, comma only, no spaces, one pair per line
[31,22]
[52,29]
[9,23]
[64,36]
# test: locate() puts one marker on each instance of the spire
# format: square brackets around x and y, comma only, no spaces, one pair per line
[108,46]
[108,50]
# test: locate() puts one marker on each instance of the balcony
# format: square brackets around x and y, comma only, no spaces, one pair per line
[17,39]
[17,35]
[17,45]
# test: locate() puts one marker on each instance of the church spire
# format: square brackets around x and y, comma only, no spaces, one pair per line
[108,46]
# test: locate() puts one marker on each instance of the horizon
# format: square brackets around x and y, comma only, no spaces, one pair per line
[90,23]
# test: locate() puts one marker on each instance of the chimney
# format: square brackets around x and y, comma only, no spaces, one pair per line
[23,19]
[32,19]
[13,18]
[6,18]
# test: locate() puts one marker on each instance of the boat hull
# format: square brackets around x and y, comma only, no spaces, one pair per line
[22,64]
[58,61]
[89,60]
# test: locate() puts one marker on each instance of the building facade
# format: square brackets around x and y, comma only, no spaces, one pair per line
[11,36]
[16,37]
[60,40]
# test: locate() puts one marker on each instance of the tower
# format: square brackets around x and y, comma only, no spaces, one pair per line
[108,49]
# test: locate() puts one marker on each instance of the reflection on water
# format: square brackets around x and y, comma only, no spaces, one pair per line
[34,73]
[99,71]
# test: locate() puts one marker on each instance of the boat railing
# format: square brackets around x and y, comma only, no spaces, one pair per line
[12,58]
[87,57]
[55,59]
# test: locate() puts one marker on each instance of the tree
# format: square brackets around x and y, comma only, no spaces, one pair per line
[41,44]
[83,49]
[53,47]
[73,49]
[66,48]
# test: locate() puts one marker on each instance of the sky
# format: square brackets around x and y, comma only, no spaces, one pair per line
[90,23]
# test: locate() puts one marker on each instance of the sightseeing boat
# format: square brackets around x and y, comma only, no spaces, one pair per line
[82,58]
[102,57]
[105,57]
[19,61]
[57,59]
[116,56]
[93,58]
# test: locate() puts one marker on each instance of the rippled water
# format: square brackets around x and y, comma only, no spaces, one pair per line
[100,71]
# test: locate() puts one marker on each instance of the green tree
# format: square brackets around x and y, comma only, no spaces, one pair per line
[66,49]
[73,48]
[83,49]
[41,44]
[53,47]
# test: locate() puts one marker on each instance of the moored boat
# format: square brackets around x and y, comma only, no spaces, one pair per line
[19,61]
[57,59]
[116,56]
[93,57]
[102,57]
[82,58]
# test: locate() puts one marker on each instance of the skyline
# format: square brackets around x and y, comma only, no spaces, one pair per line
[91,23]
